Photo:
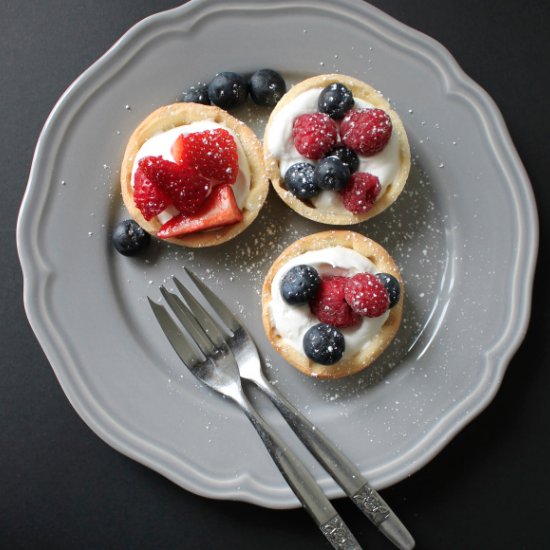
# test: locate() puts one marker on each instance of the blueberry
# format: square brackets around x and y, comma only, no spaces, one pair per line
[324,344]
[300,180]
[335,100]
[129,238]
[300,284]
[346,155]
[227,90]
[392,287]
[196,94]
[266,87]
[331,174]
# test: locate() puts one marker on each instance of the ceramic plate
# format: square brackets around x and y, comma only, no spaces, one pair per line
[463,232]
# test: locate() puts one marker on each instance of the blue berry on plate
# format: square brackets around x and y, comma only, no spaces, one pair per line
[300,284]
[300,180]
[347,156]
[196,94]
[392,287]
[324,344]
[331,174]
[266,87]
[129,238]
[228,90]
[335,100]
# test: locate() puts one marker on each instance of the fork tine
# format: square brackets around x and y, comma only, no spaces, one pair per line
[217,305]
[181,311]
[175,336]
[209,325]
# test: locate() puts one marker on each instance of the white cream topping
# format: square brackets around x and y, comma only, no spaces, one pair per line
[384,165]
[160,144]
[292,322]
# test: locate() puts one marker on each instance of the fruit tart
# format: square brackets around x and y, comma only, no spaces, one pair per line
[336,152]
[332,302]
[193,175]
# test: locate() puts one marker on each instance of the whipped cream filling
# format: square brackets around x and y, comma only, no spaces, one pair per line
[384,165]
[292,322]
[160,144]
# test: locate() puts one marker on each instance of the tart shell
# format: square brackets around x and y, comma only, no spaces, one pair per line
[348,365]
[179,114]
[360,90]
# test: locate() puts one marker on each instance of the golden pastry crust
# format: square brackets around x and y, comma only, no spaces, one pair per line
[347,366]
[179,114]
[362,91]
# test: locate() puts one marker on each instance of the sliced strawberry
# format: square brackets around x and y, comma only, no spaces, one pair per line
[150,200]
[212,153]
[219,209]
[185,187]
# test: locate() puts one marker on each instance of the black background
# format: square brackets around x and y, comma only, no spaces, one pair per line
[62,487]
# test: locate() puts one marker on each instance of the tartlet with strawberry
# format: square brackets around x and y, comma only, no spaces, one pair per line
[336,152]
[332,302]
[193,175]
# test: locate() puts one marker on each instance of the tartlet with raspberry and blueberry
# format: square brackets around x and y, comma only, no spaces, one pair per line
[332,303]
[193,175]
[335,150]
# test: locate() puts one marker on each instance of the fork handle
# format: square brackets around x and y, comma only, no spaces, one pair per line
[343,471]
[302,483]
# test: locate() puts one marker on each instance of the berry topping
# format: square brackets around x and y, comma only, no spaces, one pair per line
[300,180]
[196,94]
[330,306]
[366,295]
[314,135]
[335,100]
[324,344]
[129,238]
[218,210]
[361,192]
[300,284]
[347,156]
[392,286]
[331,174]
[366,131]
[227,90]
[186,188]
[149,199]
[211,153]
[266,87]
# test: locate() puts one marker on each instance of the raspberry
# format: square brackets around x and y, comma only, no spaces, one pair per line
[212,153]
[366,131]
[360,193]
[186,188]
[150,200]
[314,135]
[330,306]
[366,295]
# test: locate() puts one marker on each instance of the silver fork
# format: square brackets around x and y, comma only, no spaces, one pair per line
[215,366]
[343,471]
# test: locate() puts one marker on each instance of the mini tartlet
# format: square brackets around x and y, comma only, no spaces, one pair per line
[324,213]
[380,262]
[182,114]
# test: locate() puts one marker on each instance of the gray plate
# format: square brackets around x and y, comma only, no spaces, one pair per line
[464,233]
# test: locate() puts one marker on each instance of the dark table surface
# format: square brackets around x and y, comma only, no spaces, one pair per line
[62,487]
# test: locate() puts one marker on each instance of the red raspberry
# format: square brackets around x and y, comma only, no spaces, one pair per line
[366,131]
[314,135]
[186,188]
[330,306]
[150,200]
[360,192]
[211,153]
[366,295]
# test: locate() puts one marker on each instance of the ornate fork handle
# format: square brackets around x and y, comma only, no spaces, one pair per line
[341,469]
[302,483]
